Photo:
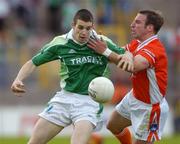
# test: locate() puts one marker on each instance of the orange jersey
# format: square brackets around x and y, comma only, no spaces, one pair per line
[149,85]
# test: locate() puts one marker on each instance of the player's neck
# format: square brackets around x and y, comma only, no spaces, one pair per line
[145,37]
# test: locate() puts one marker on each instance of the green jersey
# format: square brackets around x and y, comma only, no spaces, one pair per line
[79,64]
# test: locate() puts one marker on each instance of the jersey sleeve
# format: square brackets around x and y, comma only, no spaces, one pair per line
[148,53]
[112,46]
[46,54]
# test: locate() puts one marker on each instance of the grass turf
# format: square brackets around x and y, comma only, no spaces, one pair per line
[66,140]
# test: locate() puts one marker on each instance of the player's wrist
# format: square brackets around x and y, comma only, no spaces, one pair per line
[107,52]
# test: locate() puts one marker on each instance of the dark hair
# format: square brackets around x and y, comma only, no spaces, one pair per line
[84,15]
[154,18]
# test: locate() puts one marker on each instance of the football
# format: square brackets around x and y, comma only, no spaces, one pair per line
[101,89]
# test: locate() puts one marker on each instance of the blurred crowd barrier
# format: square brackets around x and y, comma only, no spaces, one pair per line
[26,25]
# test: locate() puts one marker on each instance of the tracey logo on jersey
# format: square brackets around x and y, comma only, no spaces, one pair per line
[87,59]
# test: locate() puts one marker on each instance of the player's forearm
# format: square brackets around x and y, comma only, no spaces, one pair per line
[26,70]
[140,63]
[114,57]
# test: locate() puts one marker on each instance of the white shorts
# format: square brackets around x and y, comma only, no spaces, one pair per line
[147,120]
[67,108]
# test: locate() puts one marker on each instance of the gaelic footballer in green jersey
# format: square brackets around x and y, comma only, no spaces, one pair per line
[79,65]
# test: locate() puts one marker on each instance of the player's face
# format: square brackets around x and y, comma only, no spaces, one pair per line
[82,31]
[138,28]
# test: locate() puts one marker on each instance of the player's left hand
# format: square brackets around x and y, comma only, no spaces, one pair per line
[98,45]
[18,88]
[126,62]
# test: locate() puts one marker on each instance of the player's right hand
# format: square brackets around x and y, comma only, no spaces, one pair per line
[98,45]
[18,88]
[126,62]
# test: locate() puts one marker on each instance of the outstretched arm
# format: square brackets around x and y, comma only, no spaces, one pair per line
[18,86]
[123,61]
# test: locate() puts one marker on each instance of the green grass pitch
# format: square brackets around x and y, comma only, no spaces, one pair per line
[66,140]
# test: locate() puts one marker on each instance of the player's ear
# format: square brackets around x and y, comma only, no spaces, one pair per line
[73,25]
[150,27]
[93,26]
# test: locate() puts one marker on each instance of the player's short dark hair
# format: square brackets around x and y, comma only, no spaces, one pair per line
[84,15]
[154,18]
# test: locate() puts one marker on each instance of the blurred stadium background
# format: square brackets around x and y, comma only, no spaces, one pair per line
[26,25]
